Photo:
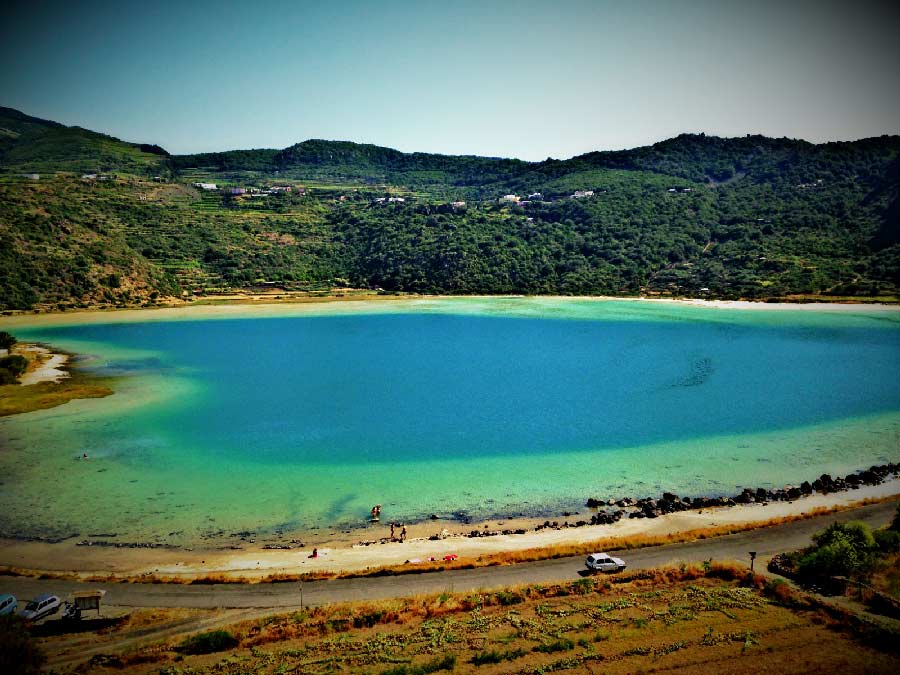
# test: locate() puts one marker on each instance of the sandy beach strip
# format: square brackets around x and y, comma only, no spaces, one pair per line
[343,555]
[292,307]
[49,366]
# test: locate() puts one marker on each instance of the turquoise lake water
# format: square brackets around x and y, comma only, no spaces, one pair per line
[285,423]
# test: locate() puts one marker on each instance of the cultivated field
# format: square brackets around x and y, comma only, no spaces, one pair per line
[708,619]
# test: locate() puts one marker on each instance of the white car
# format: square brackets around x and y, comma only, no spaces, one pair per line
[603,562]
[41,606]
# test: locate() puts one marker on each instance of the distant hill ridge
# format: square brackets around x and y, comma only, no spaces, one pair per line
[28,142]
[697,215]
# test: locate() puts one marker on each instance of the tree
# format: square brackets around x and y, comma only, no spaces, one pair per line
[7,340]
[842,549]
[11,367]
[858,533]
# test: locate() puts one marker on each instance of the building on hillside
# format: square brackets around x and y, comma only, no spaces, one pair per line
[458,205]
[509,199]
[31,176]
[396,199]
[583,193]
[535,196]
[280,188]
[238,191]
[205,186]
[89,176]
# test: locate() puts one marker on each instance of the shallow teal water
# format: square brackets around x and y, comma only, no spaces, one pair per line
[491,407]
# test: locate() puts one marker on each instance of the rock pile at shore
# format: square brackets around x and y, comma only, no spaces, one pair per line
[649,507]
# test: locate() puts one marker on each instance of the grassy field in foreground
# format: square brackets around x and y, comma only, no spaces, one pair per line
[709,619]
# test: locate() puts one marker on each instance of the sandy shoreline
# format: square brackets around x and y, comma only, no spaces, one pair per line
[50,366]
[269,307]
[344,553]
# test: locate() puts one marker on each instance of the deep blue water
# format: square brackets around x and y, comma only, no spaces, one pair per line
[347,388]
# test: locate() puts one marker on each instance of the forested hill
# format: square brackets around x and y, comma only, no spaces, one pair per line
[30,144]
[694,157]
[87,219]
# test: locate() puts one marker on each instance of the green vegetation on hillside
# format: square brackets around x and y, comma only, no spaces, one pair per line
[700,216]
[32,145]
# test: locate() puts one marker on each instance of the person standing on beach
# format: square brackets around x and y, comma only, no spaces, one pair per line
[403,533]
[392,531]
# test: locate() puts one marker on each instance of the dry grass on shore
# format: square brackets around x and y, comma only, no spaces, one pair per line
[17,398]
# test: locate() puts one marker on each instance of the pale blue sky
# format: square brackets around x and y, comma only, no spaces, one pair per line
[523,79]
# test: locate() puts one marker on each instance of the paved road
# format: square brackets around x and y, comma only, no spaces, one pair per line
[766,542]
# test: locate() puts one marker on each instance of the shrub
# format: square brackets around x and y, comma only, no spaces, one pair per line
[494,656]
[485,658]
[207,643]
[780,592]
[583,586]
[858,534]
[507,598]
[6,340]
[18,652]
[561,645]
[888,541]
[445,662]
[837,557]
[16,364]
[841,549]
[369,619]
